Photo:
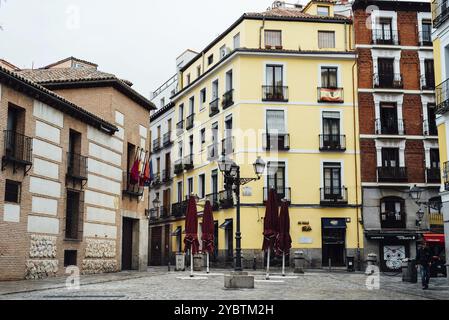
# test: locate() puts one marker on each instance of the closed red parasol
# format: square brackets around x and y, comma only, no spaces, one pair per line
[208,229]
[191,238]
[284,240]
[271,221]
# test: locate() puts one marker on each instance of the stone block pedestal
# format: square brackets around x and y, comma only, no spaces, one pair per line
[239,280]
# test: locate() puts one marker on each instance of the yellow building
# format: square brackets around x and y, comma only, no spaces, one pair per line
[440,15]
[279,85]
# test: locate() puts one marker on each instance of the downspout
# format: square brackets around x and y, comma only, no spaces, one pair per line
[260,32]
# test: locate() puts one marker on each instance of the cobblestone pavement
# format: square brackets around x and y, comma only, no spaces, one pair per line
[158,284]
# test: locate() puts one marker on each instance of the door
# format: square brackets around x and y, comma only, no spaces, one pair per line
[332,181]
[386,72]
[331,129]
[334,242]
[429,73]
[156,246]
[127,244]
[276,178]
[389,119]
[167,166]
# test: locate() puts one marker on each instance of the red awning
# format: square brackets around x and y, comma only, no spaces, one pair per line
[434,238]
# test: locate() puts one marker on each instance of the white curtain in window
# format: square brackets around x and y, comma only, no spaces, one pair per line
[275,121]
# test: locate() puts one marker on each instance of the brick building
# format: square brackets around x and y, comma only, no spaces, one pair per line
[398,136]
[69,136]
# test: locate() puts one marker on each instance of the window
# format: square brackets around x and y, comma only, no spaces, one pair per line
[392,213]
[331,123]
[390,157]
[180,196]
[385,29]
[323,11]
[69,258]
[431,119]
[162,102]
[215,132]
[326,39]
[426,31]
[181,112]
[275,121]
[435,158]
[191,105]
[214,90]
[202,186]
[210,59]
[429,73]
[202,99]
[275,75]
[188,79]
[229,83]
[332,179]
[273,38]
[329,77]
[237,41]
[203,137]
[189,186]
[198,71]
[223,52]
[74,215]
[180,152]
[276,178]
[12,191]
[389,118]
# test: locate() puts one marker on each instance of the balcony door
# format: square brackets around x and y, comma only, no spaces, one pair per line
[332,181]
[275,129]
[390,157]
[214,181]
[276,178]
[385,30]
[386,72]
[180,192]
[167,166]
[435,159]
[389,119]
[167,201]
[429,69]
[331,129]
[329,78]
[431,120]
[392,213]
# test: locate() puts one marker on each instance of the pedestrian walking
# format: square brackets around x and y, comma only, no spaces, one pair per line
[424,259]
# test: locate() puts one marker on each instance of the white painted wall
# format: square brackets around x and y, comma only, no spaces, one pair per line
[47,150]
[45,168]
[104,169]
[44,206]
[11,212]
[119,118]
[100,231]
[100,199]
[49,114]
[45,187]
[100,215]
[43,225]
[104,139]
[105,154]
[103,184]
[48,132]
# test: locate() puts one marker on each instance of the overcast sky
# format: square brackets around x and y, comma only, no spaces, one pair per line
[134,39]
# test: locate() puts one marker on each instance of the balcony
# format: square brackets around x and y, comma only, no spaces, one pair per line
[166,176]
[442,97]
[167,141]
[275,93]
[214,201]
[179,209]
[427,82]
[187,162]
[164,213]
[276,141]
[436,219]
[440,12]
[17,150]
[332,142]
[430,129]
[130,188]
[178,167]
[393,220]
[212,152]
[425,39]
[433,175]
[392,174]
[282,194]
[157,145]
[388,80]
[76,166]
[190,121]
[228,99]
[334,196]
[226,199]
[390,127]
[385,37]
[446,176]
[227,146]
[180,127]
[157,182]
[214,107]
[331,95]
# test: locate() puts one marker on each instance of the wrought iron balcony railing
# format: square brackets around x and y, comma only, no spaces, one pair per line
[157,145]
[17,149]
[179,209]
[446,176]
[425,38]
[436,219]
[276,141]
[334,196]
[442,97]
[180,127]
[226,199]
[178,167]
[275,93]
[390,127]
[156,180]
[214,107]
[427,82]
[388,80]
[188,162]
[214,201]
[332,142]
[131,188]
[166,176]
[282,193]
[433,175]
[440,12]
[76,166]
[331,95]
[392,174]
[190,121]
[393,220]
[167,141]
[228,99]
[227,146]
[386,36]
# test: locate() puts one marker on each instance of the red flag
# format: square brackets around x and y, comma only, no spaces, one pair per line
[145,174]
[134,177]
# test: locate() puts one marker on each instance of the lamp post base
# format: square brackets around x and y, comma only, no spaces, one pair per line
[238,280]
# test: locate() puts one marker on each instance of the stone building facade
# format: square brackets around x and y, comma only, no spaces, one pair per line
[68,135]
[398,136]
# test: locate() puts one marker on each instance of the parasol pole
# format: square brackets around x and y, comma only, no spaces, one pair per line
[191,264]
[207,258]
[283,264]
[268,265]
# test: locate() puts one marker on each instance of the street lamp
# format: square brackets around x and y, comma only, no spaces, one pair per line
[156,205]
[233,182]
[415,193]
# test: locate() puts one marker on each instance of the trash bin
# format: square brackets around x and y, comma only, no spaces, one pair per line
[180,262]
[409,271]
[350,264]
[198,262]
[300,260]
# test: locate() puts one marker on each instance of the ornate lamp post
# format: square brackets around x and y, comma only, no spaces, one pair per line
[233,182]
[415,194]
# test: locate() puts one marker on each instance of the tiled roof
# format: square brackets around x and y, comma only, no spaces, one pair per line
[47,96]
[294,13]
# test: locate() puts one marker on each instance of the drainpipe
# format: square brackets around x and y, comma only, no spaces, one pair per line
[260,32]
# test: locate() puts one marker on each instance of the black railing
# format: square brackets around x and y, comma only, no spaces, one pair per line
[386,36]
[331,95]
[178,167]
[390,126]
[282,193]
[430,128]
[164,212]
[427,82]
[188,162]
[214,201]
[392,174]
[446,176]
[393,220]
[228,99]
[157,145]
[442,97]
[131,188]
[18,147]
[214,107]
[76,166]
[180,127]
[433,175]
[332,142]
[226,199]
[156,180]
[276,141]
[440,12]
[179,209]
[388,80]
[166,175]
[425,38]
[227,146]
[334,196]
[167,141]
[190,121]
[275,93]
[212,152]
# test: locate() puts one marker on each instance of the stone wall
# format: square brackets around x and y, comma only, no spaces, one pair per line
[100,257]
[42,262]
